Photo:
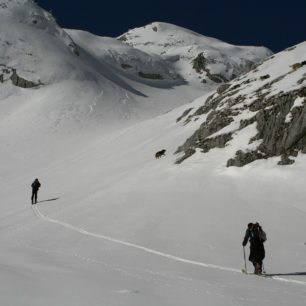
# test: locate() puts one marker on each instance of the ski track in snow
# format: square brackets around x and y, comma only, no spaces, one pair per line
[95,101]
[151,251]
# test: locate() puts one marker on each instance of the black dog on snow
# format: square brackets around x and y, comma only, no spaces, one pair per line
[159,154]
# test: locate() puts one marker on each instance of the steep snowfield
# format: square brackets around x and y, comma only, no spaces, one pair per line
[115,226]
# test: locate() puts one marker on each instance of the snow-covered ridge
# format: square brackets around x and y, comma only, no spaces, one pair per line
[267,105]
[33,43]
[28,13]
[221,61]
[126,60]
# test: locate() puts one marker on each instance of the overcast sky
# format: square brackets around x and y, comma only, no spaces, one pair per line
[274,24]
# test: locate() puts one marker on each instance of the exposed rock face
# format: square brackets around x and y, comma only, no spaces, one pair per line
[278,136]
[242,158]
[279,118]
[222,88]
[200,64]
[152,76]
[185,113]
[7,73]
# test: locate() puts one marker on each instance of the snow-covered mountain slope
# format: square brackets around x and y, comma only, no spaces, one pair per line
[88,90]
[116,226]
[196,57]
[95,81]
[256,116]
[128,61]
[64,85]
[51,88]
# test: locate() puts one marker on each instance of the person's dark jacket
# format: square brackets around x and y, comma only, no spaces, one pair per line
[35,185]
[257,249]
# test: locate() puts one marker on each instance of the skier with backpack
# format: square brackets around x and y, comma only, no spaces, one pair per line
[35,186]
[257,237]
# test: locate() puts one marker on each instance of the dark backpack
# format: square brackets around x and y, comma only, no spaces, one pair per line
[257,233]
[35,185]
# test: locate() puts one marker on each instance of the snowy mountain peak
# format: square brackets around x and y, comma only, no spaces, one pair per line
[25,11]
[28,13]
[160,29]
[197,57]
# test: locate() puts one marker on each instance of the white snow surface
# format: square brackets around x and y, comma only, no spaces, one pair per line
[113,225]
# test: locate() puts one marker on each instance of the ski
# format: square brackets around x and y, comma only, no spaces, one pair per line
[254,274]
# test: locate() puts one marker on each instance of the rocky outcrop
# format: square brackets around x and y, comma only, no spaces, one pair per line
[278,134]
[242,158]
[202,137]
[280,121]
[151,76]
[185,113]
[199,64]
[222,88]
[7,73]
[126,66]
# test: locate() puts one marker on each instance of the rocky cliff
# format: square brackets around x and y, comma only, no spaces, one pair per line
[269,101]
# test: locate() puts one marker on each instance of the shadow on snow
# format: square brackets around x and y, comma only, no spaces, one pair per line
[287,274]
[49,200]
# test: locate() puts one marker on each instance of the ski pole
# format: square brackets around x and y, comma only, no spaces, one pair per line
[245,266]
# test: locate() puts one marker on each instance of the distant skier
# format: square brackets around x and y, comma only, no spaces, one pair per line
[257,237]
[35,186]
